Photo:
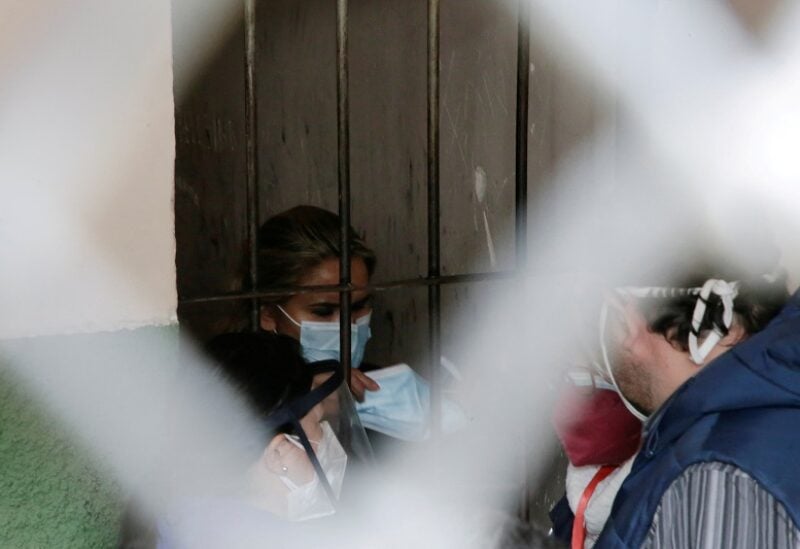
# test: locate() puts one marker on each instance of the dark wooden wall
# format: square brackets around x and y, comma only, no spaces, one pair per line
[297,154]
[297,145]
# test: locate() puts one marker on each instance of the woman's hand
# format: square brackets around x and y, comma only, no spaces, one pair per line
[361,382]
[285,458]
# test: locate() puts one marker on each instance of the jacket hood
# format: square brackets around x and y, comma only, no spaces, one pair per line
[762,371]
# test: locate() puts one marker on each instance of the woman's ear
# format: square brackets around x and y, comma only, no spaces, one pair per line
[267,319]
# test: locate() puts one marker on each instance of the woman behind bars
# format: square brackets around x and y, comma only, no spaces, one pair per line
[301,247]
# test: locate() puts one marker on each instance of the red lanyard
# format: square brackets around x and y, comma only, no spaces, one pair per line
[579,526]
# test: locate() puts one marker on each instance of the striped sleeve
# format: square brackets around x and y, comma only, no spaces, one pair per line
[714,505]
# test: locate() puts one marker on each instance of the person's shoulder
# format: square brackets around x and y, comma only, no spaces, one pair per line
[713,478]
[718,501]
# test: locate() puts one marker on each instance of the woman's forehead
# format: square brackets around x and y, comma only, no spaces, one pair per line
[326,298]
[326,273]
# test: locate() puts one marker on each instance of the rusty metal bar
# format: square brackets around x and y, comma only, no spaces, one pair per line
[523,81]
[251,152]
[380,287]
[521,203]
[343,130]
[434,252]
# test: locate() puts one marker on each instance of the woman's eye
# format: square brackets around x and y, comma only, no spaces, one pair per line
[323,311]
[361,305]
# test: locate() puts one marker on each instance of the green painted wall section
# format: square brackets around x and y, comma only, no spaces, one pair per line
[52,492]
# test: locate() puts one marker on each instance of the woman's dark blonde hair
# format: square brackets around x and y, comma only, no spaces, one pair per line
[297,240]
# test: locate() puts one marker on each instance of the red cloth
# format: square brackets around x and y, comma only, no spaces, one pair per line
[594,426]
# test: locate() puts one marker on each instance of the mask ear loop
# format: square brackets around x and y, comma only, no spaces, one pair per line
[287,315]
[603,321]
[727,292]
[364,320]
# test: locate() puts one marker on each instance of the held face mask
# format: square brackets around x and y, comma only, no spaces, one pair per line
[401,408]
[320,340]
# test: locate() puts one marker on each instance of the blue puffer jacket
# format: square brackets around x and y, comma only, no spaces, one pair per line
[742,409]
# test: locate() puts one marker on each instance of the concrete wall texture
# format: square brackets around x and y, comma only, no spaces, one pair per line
[52,493]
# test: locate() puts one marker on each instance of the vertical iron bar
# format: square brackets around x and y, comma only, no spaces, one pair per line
[251,152]
[523,77]
[343,130]
[521,204]
[434,268]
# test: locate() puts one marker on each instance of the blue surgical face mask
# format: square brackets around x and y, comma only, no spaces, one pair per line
[320,340]
[401,407]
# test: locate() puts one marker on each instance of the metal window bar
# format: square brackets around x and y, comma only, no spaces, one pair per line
[343,132]
[251,152]
[521,199]
[521,169]
[434,267]
[379,287]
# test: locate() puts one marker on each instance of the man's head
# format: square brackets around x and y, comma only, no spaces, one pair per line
[662,336]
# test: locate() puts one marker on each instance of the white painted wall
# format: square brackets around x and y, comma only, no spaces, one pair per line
[86,166]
